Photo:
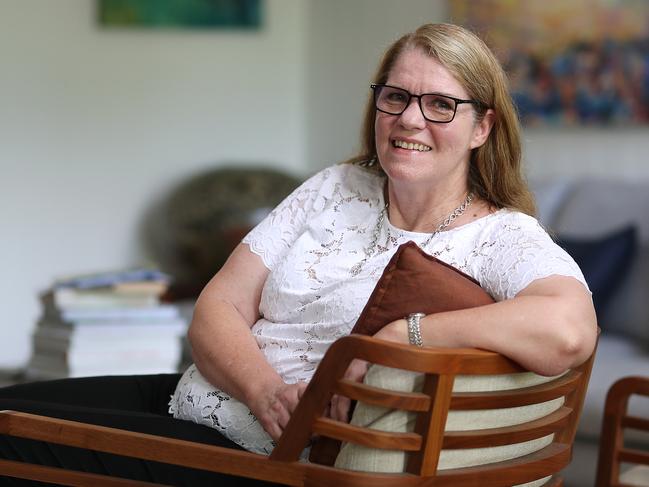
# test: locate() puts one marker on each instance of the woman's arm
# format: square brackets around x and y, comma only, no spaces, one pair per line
[548,327]
[225,350]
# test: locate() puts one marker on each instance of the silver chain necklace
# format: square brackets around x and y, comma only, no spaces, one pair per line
[371,248]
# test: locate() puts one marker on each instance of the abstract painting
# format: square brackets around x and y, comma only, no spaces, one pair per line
[570,62]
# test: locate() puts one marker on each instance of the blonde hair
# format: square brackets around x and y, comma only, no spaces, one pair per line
[495,172]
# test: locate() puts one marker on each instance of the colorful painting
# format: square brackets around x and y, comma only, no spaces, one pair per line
[570,62]
[180,13]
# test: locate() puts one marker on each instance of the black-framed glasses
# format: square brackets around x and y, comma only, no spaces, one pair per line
[434,106]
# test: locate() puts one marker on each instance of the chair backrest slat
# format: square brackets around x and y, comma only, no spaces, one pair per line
[629,455]
[635,423]
[509,472]
[407,401]
[546,391]
[506,435]
[367,437]
[427,359]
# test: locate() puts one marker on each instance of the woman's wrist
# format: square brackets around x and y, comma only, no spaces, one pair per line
[397,331]
[260,384]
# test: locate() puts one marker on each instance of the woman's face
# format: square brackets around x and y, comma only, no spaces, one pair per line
[443,150]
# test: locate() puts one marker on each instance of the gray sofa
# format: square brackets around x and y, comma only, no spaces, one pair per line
[588,211]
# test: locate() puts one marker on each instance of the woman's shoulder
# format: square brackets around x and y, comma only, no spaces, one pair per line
[509,215]
[515,245]
[352,177]
[344,171]
[513,220]
[507,227]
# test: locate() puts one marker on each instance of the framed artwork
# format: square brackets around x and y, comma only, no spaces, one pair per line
[570,62]
[205,14]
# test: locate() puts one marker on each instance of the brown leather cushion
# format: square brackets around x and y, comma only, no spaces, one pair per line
[414,281]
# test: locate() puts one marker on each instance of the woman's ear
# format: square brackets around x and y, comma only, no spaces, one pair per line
[482,129]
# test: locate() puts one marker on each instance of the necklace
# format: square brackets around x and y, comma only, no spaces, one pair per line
[371,248]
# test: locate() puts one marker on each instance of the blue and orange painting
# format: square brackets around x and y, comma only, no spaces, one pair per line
[570,62]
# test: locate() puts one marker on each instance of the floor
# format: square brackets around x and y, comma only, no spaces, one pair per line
[581,471]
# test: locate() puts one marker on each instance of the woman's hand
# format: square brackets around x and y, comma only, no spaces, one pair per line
[340,405]
[274,409]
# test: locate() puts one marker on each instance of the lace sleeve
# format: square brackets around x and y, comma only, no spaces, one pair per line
[522,252]
[274,235]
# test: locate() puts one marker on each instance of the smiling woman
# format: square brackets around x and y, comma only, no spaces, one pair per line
[439,168]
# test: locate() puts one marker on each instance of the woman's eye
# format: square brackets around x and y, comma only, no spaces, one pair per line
[438,103]
[396,97]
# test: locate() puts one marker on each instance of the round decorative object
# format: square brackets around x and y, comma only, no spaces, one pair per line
[193,231]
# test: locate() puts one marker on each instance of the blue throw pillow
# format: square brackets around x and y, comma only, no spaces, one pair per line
[604,261]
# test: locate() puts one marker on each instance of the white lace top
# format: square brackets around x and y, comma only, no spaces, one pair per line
[310,298]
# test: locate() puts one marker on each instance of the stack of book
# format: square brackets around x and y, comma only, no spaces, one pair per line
[107,324]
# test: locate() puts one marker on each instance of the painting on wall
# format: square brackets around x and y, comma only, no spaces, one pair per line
[570,62]
[205,14]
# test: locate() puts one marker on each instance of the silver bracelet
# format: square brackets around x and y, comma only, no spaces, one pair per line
[414,330]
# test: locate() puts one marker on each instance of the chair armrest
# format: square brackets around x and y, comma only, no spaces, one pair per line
[144,446]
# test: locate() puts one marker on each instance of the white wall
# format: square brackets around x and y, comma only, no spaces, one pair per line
[95,123]
[620,153]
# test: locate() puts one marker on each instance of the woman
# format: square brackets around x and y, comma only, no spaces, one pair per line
[440,166]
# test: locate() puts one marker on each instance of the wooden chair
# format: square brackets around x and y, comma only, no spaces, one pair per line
[423,445]
[612,448]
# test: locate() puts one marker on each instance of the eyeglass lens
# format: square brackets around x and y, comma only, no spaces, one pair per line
[436,108]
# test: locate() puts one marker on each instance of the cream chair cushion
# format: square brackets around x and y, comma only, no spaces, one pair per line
[355,457]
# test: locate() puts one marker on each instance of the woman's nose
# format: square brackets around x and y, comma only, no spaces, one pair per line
[412,117]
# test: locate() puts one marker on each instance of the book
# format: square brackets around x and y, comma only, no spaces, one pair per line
[157,288]
[111,278]
[63,298]
[95,332]
[77,351]
[163,311]
[120,311]
[107,323]
[141,351]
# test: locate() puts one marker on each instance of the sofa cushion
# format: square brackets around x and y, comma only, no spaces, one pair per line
[596,208]
[604,261]
[550,196]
